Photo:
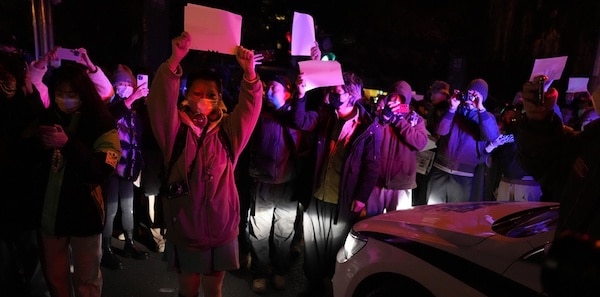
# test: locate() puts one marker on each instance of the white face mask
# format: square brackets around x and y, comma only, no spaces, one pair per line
[124,91]
[67,104]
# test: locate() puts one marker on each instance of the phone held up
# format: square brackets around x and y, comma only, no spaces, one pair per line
[142,80]
[65,54]
[268,55]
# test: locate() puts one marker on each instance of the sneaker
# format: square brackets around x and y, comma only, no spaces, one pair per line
[259,285]
[279,282]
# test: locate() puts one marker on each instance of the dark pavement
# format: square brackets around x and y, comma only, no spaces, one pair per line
[150,278]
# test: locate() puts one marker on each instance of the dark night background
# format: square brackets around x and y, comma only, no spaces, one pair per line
[383,41]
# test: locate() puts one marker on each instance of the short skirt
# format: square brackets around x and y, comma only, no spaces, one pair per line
[221,258]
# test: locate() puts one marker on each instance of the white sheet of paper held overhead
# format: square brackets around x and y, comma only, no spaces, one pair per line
[303,34]
[321,73]
[212,29]
[577,84]
[550,67]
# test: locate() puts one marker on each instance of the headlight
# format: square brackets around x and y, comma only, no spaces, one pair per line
[354,243]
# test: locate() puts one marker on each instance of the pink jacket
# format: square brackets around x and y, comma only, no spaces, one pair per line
[209,215]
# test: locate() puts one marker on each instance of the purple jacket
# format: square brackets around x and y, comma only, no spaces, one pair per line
[463,135]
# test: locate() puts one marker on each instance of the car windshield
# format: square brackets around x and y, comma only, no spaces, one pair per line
[528,222]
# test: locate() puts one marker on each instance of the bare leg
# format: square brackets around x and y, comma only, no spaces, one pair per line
[189,283]
[212,284]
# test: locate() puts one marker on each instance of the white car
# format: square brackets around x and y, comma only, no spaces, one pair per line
[453,249]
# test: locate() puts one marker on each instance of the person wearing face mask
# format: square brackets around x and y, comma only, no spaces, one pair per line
[201,204]
[119,190]
[82,150]
[39,68]
[273,178]
[346,153]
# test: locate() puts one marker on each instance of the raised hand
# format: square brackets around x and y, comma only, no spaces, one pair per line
[86,61]
[248,62]
[534,109]
[180,46]
[315,52]
[301,85]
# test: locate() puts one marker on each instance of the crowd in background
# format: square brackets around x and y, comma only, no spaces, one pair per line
[225,167]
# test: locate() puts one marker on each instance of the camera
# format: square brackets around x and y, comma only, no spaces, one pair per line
[177,189]
[464,96]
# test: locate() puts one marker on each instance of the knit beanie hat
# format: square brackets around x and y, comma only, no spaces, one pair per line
[123,74]
[480,86]
[403,88]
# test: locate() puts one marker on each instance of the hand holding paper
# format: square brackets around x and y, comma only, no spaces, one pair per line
[180,46]
[213,29]
[303,34]
[247,61]
[550,67]
[320,74]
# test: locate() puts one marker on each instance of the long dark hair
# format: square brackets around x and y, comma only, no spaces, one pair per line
[94,110]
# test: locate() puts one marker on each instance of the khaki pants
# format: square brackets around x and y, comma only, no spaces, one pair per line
[84,254]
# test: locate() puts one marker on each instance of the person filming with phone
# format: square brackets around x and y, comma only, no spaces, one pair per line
[82,150]
[464,130]
[404,134]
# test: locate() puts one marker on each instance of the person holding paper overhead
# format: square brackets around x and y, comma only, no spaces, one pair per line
[346,154]
[201,204]
[566,163]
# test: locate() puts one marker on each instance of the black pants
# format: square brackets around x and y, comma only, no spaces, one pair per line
[20,270]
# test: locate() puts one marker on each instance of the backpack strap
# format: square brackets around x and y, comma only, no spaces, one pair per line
[226,143]
[178,146]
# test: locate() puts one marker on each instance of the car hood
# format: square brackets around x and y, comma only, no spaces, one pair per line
[458,224]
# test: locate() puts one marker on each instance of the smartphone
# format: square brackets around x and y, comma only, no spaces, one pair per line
[142,80]
[268,55]
[68,54]
[404,108]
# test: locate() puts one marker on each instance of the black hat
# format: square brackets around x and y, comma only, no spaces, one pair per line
[440,86]
[283,80]
[480,86]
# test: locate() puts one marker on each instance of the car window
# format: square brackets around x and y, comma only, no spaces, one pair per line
[527,223]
